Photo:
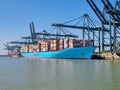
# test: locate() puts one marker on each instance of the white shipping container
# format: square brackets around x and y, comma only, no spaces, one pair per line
[66,43]
[24,49]
[71,43]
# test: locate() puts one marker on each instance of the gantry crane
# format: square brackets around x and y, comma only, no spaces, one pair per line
[112,23]
[89,29]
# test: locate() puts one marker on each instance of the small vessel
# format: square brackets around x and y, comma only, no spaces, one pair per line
[14,53]
[13,50]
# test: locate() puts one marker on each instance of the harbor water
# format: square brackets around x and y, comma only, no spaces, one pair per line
[56,74]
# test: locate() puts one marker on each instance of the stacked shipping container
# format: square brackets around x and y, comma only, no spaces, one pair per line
[35,48]
[61,44]
[76,43]
[86,43]
[66,43]
[55,45]
[44,46]
[71,43]
[24,48]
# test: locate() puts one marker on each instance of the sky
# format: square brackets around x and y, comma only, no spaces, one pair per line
[15,16]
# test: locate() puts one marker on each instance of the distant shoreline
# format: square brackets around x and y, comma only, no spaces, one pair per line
[3,55]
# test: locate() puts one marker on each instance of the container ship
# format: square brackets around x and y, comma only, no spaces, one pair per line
[58,44]
[61,49]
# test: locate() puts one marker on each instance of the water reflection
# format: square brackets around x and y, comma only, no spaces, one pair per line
[55,74]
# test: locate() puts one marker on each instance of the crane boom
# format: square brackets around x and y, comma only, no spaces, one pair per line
[97,11]
[79,27]
[111,10]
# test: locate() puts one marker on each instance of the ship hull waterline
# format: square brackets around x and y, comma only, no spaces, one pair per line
[68,53]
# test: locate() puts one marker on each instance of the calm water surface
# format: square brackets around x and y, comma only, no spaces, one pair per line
[52,74]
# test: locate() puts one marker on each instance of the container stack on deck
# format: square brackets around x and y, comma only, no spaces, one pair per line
[53,45]
[24,48]
[44,46]
[56,45]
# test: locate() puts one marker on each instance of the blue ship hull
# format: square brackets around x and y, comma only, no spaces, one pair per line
[69,53]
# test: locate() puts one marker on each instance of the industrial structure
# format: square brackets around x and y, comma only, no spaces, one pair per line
[108,31]
[14,47]
[105,34]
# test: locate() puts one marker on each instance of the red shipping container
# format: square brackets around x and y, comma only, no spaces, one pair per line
[86,43]
[39,46]
[76,43]
[89,43]
[81,42]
